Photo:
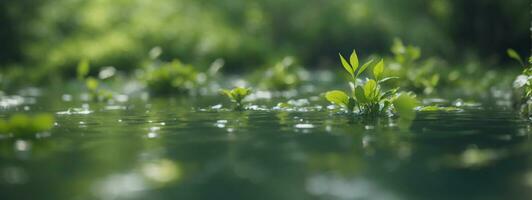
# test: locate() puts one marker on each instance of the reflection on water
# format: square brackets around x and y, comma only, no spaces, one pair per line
[184,149]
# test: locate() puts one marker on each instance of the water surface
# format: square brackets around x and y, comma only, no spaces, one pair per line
[180,148]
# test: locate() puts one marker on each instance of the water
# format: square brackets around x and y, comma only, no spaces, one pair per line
[181,148]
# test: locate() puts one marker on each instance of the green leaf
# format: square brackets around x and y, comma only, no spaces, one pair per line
[241,91]
[359,94]
[363,68]
[435,79]
[389,93]
[387,79]
[353,59]
[237,94]
[337,97]
[514,55]
[404,104]
[347,67]
[83,69]
[370,88]
[378,70]
[413,52]
[227,93]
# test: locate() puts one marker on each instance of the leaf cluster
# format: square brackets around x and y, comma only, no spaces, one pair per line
[236,95]
[369,97]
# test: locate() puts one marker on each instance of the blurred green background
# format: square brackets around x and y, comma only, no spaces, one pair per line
[49,37]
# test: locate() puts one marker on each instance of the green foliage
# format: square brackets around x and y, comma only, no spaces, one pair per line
[21,125]
[369,97]
[340,98]
[404,105]
[418,75]
[514,55]
[171,77]
[353,67]
[522,83]
[236,95]
[284,75]
[83,69]
[93,85]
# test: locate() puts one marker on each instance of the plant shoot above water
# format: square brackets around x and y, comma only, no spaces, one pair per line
[237,95]
[368,97]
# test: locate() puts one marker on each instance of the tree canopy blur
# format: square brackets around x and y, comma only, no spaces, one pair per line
[53,35]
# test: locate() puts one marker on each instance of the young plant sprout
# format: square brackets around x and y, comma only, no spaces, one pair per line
[236,95]
[369,97]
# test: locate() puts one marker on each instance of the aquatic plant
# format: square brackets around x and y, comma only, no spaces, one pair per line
[523,83]
[418,75]
[369,96]
[175,77]
[283,75]
[171,77]
[93,85]
[236,95]
[22,125]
